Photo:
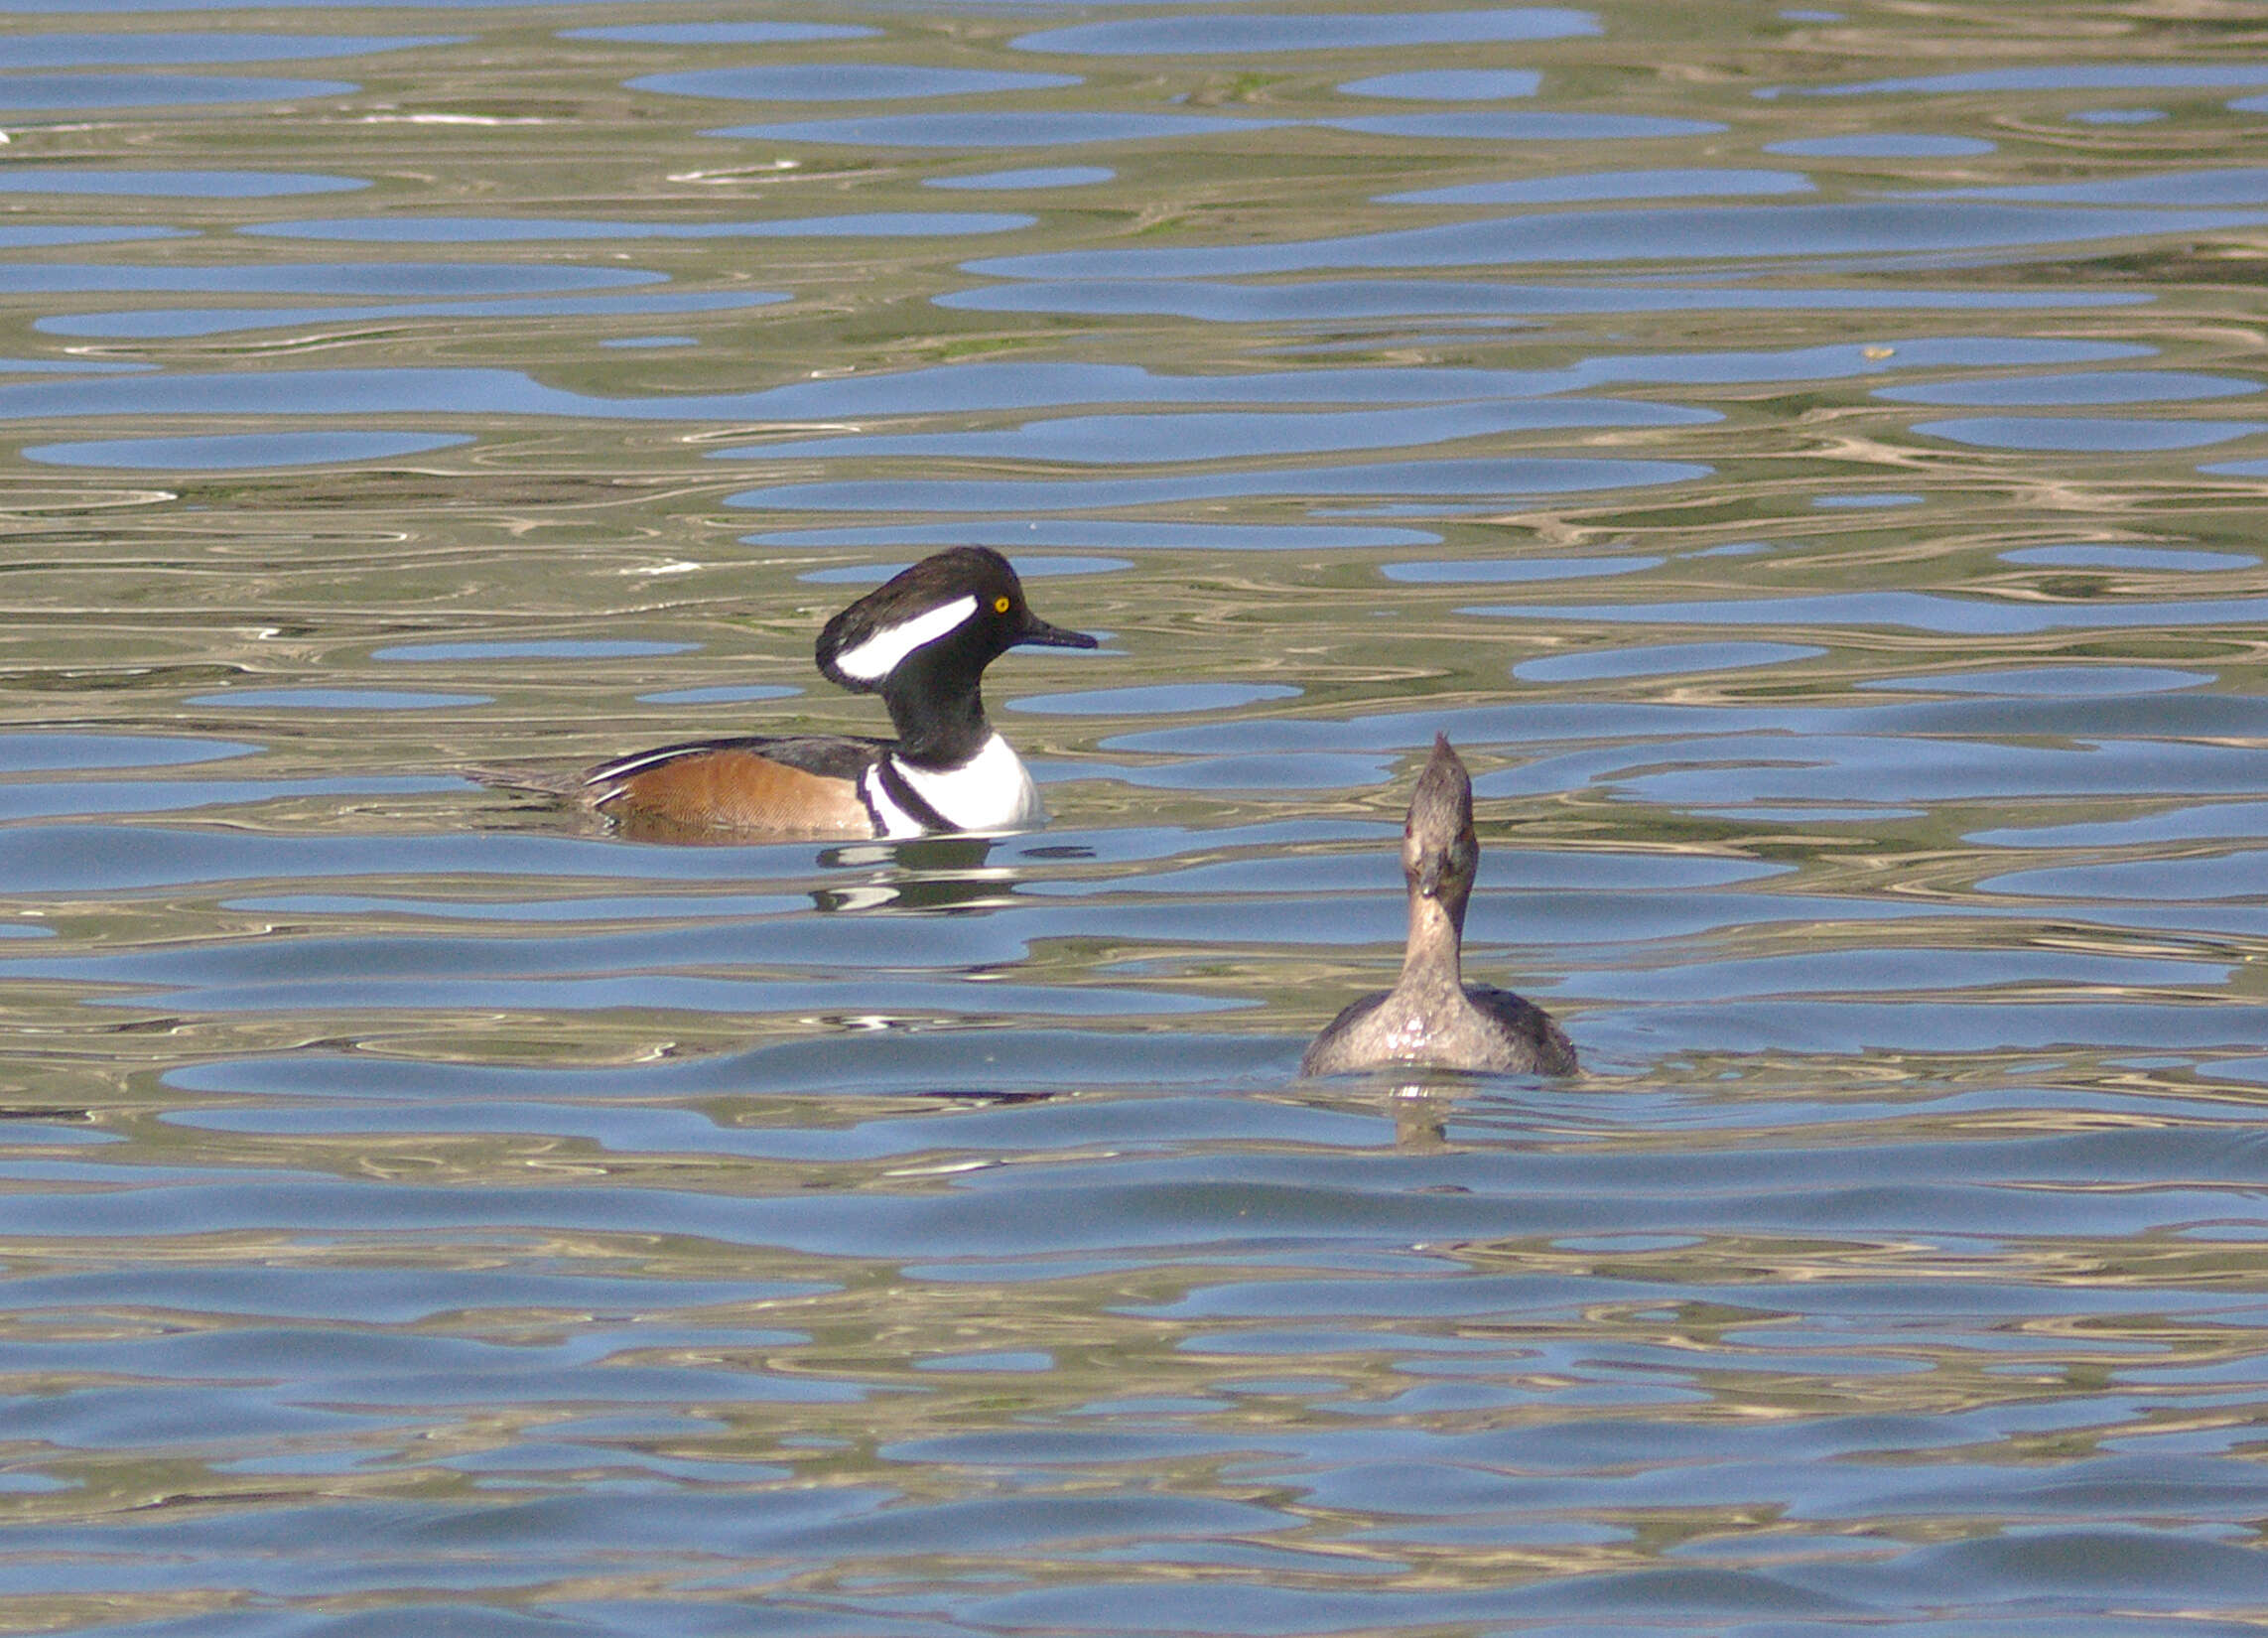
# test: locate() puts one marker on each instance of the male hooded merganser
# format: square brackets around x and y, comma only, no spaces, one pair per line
[923,642]
[1431,1017]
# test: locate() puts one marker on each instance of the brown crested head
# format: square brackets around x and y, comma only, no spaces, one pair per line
[1439,851]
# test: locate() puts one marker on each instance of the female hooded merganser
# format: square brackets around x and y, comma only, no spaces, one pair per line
[923,642]
[1431,1017]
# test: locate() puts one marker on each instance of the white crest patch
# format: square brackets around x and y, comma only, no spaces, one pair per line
[992,790]
[879,654]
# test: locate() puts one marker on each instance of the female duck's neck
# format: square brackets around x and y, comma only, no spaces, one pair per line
[1436,932]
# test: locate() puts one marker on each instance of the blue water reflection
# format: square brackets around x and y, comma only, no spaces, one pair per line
[60,92]
[336,699]
[2081,435]
[157,47]
[83,798]
[1507,477]
[735,694]
[1663,659]
[1160,698]
[21,752]
[240,452]
[1877,227]
[1027,567]
[976,128]
[716,34]
[1324,299]
[1057,175]
[151,324]
[1482,571]
[2137,386]
[532,648]
[1874,500]
[369,279]
[1130,440]
[1609,185]
[1160,534]
[1912,611]
[2247,184]
[1882,145]
[509,230]
[16,237]
[69,366]
[67,179]
[1449,85]
[1011,386]
[431,1209]
[1226,32]
[1531,127]
[843,81]
[2046,681]
[2075,77]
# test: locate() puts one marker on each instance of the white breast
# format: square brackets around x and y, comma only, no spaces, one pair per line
[992,790]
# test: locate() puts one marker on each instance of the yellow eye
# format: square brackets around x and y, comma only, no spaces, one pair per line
[999,606]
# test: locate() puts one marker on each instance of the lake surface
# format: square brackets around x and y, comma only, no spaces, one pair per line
[1808,461]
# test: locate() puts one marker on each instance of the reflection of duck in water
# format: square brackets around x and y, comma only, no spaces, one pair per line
[946,874]
[1431,1017]
[923,642]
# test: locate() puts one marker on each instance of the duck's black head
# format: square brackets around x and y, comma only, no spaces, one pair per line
[1439,852]
[936,625]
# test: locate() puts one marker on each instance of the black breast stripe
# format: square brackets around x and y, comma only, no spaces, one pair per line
[907,800]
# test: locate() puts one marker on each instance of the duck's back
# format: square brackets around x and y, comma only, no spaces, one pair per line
[1491,1030]
[1523,1031]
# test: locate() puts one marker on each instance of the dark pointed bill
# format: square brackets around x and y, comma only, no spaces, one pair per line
[1038,631]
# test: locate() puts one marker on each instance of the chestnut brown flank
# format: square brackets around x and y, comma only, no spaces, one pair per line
[739,790]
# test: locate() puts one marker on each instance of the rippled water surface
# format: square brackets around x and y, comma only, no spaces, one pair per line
[1807,460]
